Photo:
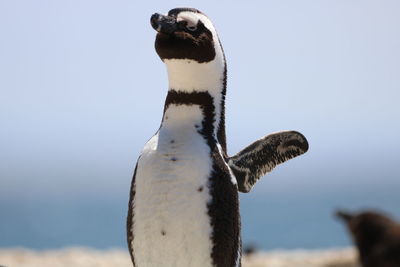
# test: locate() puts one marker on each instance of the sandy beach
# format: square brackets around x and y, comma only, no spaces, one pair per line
[86,257]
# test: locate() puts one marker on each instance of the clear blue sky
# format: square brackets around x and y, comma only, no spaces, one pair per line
[82,89]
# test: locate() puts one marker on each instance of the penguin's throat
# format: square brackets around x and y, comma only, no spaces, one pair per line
[183,117]
[189,75]
[187,121]
[196,95]
[191,110]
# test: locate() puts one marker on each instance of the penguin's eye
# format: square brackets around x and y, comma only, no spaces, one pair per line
[191,28]
[189,21]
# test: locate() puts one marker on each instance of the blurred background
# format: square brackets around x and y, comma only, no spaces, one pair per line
[82,90]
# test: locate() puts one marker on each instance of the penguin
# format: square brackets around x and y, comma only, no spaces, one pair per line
[184,206]
[376,236]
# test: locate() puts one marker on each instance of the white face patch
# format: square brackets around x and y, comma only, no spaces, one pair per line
[194,18]
[189,17]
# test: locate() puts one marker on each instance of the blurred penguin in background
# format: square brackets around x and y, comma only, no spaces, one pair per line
[376,236]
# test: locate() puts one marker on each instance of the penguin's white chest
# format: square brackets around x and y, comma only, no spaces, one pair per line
[171,226]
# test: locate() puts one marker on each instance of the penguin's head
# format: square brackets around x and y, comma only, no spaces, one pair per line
[185,34]
[367,227]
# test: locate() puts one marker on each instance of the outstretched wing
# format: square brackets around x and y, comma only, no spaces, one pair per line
[265,154]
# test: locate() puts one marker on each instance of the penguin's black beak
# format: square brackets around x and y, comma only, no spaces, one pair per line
[163,24]
[345,216]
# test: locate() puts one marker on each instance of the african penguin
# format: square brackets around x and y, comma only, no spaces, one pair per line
[376,236]
[184,207]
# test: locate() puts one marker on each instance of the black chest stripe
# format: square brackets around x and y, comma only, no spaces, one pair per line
[206,103]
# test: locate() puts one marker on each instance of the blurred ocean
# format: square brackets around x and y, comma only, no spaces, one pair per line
[270,220]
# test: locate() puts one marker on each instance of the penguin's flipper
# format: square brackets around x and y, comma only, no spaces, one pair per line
[262,156]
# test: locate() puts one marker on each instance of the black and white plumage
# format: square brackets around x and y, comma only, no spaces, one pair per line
[184,207]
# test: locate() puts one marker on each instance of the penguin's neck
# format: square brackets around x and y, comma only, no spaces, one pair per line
[201,86]
[188,75]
